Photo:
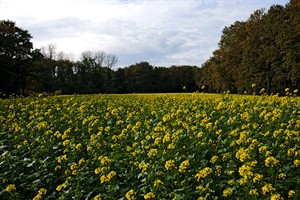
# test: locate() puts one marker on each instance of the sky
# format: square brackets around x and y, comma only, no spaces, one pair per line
[161,32]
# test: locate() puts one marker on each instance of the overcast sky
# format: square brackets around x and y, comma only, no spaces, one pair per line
[162,32]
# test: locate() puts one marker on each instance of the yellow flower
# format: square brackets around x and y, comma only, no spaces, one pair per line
[73,166]
[214,159]
[97,197]
[89,148]
[276,197]
[295,91]
[130,195]
[227,192]
[66,142]
[245,171]
[37,197]
[104,160]
[42,191]
[267,188]
[262,149]
[218,170]
[78,146]
[10,188]
[60,187]
[203,173]
[282,176]
[242,154]
[253,192]
[157,182]
[200,134]
[169,164]
[291,152]
[111,175]
[81,161]
[231,182]
[257,178]
[271,161]
[97,170]
[297,163]
[201,188]
[219,132]
[183,166]
[144,166]
[291,193]
[149,195]
[103,179]
[152,152]
[61,158]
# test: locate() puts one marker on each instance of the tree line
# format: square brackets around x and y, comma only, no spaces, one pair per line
[262,51]
[25,71]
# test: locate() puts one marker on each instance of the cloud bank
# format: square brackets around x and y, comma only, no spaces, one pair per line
[162,32]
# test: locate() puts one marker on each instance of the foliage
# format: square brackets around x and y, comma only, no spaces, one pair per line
[263,50]
[159,146]
[16,57]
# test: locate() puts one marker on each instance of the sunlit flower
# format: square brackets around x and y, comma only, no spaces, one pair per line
[297,163]
[184,165]
[203,173]
[257,178]
[227,192]
[291,193]
[144,166]
[10,188]
[267,188]
[130,195]
[275,197]
[89,148]
[169,164]
[78,146]
[149,195]
[60,187]
[242,154]
[214,159]
[253,192]
[282,176]
[66,142]
[271,161]
[157,182]
[97,197]
[152,152]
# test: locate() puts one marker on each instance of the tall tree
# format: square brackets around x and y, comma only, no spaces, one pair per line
[15,52]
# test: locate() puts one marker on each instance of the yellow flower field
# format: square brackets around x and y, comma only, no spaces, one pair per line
[150,146]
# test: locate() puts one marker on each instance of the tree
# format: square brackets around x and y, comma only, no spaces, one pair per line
[16,51]
[139,77]
[263,50]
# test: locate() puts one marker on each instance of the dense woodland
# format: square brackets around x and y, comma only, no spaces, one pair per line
[264,50]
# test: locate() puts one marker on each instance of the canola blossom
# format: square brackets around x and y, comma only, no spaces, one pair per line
[150,146]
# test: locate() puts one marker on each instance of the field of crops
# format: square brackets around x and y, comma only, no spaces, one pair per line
[150,146]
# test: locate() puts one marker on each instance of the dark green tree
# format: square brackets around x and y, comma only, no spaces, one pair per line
[264,50]
[139,77]
[16,51]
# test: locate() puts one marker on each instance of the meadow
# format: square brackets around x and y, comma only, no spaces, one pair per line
[150,146]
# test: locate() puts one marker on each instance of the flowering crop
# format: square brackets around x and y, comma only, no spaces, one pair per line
[150,146]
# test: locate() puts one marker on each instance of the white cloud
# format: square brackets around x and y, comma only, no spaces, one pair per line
[163,32]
